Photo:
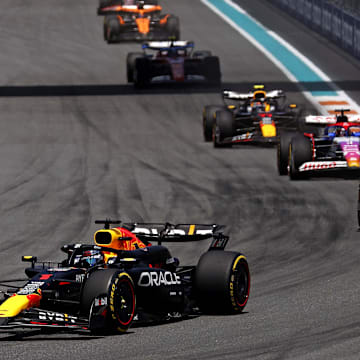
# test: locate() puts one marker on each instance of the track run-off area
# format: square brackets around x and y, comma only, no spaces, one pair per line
[78,143]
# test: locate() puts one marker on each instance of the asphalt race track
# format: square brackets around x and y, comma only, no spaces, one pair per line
[77,143]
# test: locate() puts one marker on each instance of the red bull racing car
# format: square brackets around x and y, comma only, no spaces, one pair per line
[256,117]
[130,20]
[104,287]
[174,61]
[332,147]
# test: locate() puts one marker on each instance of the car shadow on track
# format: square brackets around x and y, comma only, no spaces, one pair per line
[37,335]
[164,88]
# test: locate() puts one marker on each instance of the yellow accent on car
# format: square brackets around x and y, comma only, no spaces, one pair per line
[292,106]
[268,131]
[106,237]
[354,163]
[237,260]
[14,305]
[191,230]
[258,87]
[231,107]
[128,259]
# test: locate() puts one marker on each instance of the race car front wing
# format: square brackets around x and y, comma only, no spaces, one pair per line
[39,318]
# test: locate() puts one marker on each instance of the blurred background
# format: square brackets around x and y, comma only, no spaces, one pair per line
[350,5]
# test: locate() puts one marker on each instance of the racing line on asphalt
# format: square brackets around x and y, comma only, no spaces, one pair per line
[287,58]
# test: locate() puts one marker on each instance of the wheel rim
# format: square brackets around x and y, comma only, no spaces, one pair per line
[241,284]
[125,302]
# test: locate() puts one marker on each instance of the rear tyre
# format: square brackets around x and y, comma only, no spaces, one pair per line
[300,152]
[141,73]
[212,70]
[222,282]
[130,65]
[223,128]
[112,28]
[208,118]
[283,152]
[173,27]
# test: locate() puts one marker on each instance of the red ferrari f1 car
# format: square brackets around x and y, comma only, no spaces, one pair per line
[104,287]
[174,61]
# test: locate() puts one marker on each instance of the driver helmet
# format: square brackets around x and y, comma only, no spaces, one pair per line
[89,258]
[340,132]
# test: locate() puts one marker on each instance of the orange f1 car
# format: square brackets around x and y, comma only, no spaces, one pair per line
[134,20]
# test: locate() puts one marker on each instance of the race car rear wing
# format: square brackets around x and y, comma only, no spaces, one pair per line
[116,9]
[329,120]
[166,45]
[160,232]
[233,95]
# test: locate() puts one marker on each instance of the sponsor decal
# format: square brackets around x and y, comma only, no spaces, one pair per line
[79,278]
[149,231]
[53,316]
[242,137]
[153,278]
[60,269]
[101,301]
[322,165]
[30,288]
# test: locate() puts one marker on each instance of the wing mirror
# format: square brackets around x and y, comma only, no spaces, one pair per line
[32,259]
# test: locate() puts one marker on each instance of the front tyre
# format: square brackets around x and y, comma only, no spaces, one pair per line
[118,289]
[283,152]
[122,301]
[208,119]
[300,152]
[222,282]
[223,128]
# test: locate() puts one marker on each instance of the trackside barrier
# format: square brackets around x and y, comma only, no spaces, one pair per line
[336,24]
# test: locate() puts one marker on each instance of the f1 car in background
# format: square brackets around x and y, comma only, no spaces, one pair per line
[333,147]
[173,61]
[140,21]
[104,287]
[255,117]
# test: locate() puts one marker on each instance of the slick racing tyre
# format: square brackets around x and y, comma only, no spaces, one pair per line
[212,70]
[112,28]
[118,289]
[142,72]
[283,152]
[223,128]
[300,152]
[122,300]
[173,27]
[130,65]
[208,119]
[222,282]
